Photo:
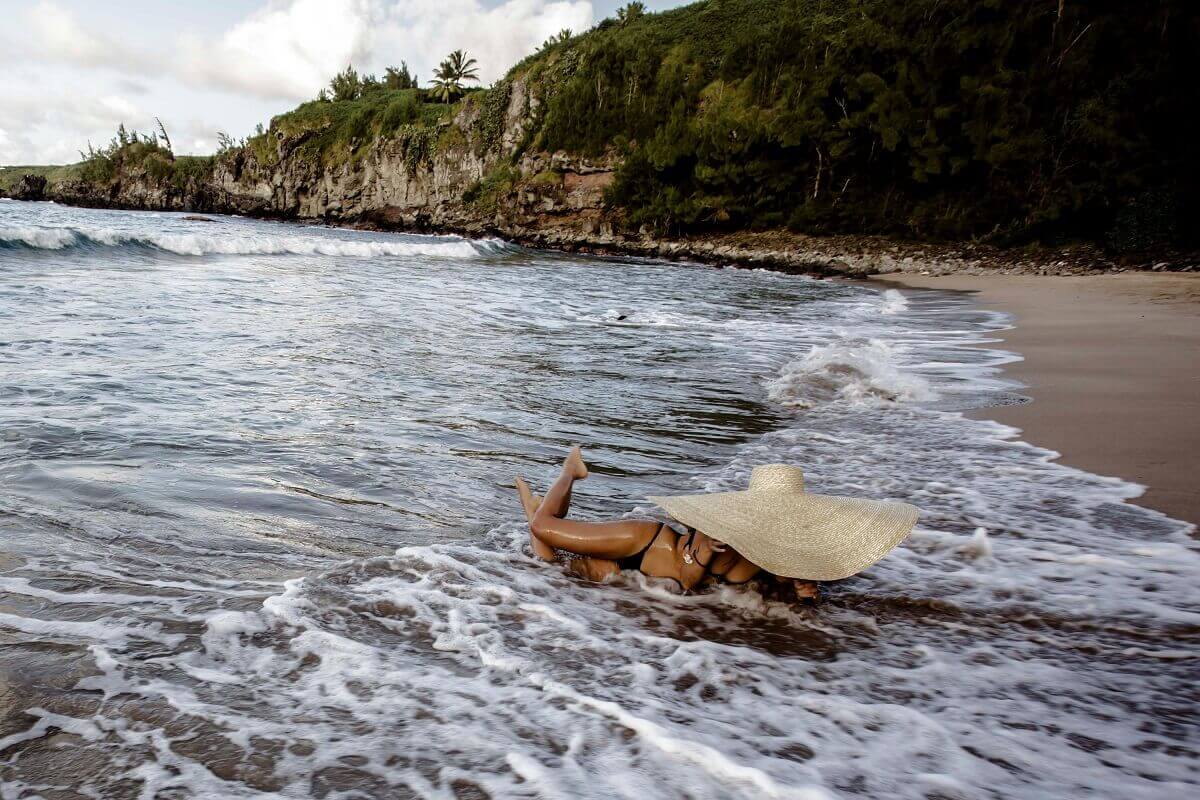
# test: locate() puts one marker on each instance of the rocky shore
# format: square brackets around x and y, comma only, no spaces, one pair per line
[843,255]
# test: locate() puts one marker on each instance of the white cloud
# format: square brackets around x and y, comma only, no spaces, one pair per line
[67,82]
[422,32]
[291,48]
[51,125]
[55,33]
[288,49]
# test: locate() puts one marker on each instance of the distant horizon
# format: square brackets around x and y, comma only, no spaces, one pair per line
[76,71]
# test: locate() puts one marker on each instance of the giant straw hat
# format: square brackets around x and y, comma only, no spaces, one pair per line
[789,532]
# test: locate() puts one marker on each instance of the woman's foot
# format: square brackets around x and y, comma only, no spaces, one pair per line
[575,463]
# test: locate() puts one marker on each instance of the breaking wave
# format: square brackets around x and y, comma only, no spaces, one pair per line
[893,302]
[855,372]
[201,244]
[259,540]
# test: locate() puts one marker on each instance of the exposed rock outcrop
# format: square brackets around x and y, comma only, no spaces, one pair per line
[30,187]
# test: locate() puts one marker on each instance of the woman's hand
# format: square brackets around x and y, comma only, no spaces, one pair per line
[806,590]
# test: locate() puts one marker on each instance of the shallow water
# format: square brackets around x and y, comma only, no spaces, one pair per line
[260,540]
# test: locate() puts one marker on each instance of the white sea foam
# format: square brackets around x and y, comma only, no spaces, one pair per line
[850,371]
[211,243]
[1034,637]
[39,238]
[893,302]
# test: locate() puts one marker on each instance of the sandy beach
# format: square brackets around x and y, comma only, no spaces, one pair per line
[1112,363]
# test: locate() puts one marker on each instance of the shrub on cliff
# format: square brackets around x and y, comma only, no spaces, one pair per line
[334,131]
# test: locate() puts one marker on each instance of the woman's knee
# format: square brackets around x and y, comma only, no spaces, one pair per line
[541,525]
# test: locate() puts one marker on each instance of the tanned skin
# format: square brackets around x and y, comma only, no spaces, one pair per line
[599,545]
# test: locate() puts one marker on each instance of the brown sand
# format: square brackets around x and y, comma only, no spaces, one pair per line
[1112,363]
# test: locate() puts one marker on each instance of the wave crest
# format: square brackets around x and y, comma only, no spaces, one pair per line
[855,372]
[199,244]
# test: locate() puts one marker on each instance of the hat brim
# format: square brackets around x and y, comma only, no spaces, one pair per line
[796,534]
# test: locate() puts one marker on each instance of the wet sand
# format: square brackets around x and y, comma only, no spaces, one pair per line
[1112,363]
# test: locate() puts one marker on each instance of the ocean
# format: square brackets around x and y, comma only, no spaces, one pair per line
[258,536]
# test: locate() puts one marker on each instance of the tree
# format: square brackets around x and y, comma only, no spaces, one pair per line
[456,68]
[166,139]
[399,78]
[345,85]
[370,83]
[226,143]
[631,12]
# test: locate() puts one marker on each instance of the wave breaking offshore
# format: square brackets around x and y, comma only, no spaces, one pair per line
[188,243]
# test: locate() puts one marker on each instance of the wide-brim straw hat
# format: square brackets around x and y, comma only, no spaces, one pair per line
[792,533]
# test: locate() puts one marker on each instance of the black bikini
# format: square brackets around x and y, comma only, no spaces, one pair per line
[635,561]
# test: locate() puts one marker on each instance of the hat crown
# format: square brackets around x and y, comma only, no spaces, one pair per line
[776,477]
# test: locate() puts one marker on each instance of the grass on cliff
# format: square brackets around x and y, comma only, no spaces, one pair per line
[1013,119]
[11,176]
[337,131]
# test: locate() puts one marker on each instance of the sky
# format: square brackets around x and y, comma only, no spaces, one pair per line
[72,70]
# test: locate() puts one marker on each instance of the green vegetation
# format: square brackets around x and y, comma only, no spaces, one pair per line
[493,106]
[333,131]
[486,195]
[348,85]
[1011,119]
[11,176]
[131,153]
[354,111]
[631,13]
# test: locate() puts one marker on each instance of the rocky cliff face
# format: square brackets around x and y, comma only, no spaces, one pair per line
[554,197]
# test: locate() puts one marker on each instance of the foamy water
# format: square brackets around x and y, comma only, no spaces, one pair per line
[260,538]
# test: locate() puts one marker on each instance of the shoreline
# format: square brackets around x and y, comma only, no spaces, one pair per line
[852,256]
[1112,366]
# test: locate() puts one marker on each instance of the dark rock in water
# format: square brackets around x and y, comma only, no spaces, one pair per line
[623,316]
[198,218]
[30,187]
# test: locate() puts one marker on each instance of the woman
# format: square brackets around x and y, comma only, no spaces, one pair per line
[774,527]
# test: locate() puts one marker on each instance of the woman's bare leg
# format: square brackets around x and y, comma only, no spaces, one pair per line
[558,500]
[611,540]
[531,503]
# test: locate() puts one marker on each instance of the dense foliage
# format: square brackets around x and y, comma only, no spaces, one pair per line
[1010,118]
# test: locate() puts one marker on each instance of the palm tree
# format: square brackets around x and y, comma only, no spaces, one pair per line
[456,68]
